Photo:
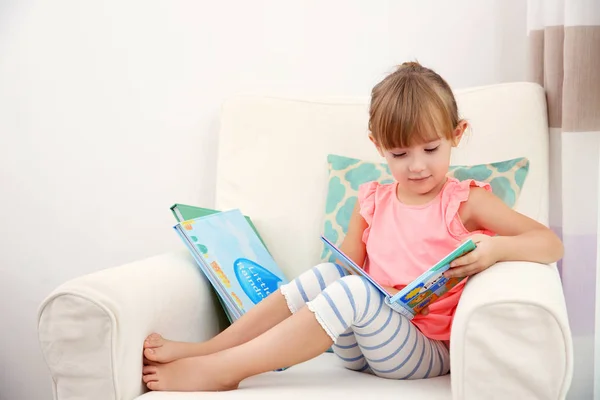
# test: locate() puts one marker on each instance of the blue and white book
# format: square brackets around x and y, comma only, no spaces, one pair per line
[421,292]
[233,258]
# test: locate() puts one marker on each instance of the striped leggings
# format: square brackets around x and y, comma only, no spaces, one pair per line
[368,335]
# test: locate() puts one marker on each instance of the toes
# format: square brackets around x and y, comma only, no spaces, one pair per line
[154,385]
[150,354]
[149,369]
[149,378]
[150,374]
[153,340]
[150,362]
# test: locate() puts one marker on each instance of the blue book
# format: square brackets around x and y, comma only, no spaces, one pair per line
[421,292]
[233,258]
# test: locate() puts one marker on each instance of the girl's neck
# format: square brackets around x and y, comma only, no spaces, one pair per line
[412,199]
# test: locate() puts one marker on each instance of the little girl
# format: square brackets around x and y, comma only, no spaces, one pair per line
[396,232]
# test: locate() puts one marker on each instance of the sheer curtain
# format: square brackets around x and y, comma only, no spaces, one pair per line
[564,54]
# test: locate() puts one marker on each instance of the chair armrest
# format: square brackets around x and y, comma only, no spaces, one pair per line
[91,329]
[510,336]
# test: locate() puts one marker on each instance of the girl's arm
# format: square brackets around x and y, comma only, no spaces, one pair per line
[353,246]
[520,238]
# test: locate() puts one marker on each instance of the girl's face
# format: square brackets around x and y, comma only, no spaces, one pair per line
[421,169]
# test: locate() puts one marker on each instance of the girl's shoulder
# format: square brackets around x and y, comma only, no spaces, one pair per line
[374,192]
[455,196]
[371,194]
[460,189]
[456,192]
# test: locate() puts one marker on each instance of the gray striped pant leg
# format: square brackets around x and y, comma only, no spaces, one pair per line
[396,349]
[349,352]
[391,345]
[305,288]
[309,284]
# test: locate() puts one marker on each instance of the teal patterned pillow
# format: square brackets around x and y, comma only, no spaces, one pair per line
[347,174]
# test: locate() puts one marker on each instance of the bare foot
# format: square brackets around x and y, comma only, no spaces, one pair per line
[191,374]
[159,349]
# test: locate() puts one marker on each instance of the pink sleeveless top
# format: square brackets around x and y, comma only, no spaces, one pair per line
[404,240]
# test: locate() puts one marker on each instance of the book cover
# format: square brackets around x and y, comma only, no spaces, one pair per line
[432,284]
[422,291]
[184,212]
[233,258]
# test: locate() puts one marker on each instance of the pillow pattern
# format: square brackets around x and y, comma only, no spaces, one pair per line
[347,174]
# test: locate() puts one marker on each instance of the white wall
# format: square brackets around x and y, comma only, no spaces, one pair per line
[109,114]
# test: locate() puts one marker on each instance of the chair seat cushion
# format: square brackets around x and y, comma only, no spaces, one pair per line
[322,377]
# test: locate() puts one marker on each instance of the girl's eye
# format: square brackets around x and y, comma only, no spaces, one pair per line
[432,150]
[398,155]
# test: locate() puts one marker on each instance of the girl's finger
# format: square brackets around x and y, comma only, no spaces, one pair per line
[465,270]
[459,261]
[465,260]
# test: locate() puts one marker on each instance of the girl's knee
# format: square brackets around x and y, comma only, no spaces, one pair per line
[330,271]
[356,283]
[325,266]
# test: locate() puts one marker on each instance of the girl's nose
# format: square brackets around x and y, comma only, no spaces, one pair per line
[416,165]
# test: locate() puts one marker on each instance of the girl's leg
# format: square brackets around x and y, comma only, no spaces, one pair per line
[350,302]
[258,319]
[349,352]
[296,339]
[369,336]
[266,314]
[394,348]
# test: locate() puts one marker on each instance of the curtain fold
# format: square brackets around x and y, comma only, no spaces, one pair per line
[564,57]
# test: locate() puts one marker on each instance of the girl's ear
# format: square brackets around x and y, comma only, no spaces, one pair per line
[459,132]
[376,145]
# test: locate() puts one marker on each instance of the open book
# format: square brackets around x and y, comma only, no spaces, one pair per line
[421,292]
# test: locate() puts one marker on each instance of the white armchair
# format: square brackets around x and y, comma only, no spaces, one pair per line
[510,337]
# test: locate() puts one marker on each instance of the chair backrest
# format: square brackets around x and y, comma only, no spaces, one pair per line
[272,157]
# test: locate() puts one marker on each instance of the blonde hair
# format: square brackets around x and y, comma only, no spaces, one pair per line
[412,105]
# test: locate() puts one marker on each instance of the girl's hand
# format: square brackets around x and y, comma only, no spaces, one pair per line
[484,256]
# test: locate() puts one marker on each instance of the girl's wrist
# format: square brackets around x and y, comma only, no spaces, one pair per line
[501,247]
